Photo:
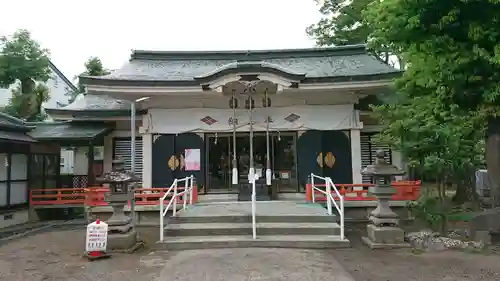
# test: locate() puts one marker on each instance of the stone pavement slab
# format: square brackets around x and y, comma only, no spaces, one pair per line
[272,208]
[252,264]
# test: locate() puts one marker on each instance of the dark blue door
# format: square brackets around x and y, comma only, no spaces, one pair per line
[324,153]
[163,160]
[168,158]
[337,161]
[308,149]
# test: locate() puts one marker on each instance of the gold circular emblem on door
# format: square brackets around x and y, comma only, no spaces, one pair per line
[173,162]
[319,159]
[329,160]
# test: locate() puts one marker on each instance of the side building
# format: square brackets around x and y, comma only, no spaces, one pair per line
[26,164]
[59,87]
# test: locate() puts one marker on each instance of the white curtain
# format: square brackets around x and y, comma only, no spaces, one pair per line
[175,121]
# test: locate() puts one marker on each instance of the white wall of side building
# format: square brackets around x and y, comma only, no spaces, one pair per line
[58,91]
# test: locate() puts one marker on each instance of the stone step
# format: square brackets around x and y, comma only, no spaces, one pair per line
[248,219]
[231,229]
[246,241]
[246,198]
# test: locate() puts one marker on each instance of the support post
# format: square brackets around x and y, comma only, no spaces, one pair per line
[161,218]
[234,171]
[355,137]
[90,165]
[191,190]
[313,195]
[174,197]
[328,190]
[251,170]
[132,160]
[268,150]
[147,154]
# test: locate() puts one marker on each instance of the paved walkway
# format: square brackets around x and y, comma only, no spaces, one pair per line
[247,264]
[269,208]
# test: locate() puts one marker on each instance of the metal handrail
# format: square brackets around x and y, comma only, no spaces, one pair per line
[188,190]
[340,208]
[254,209]
[330,200]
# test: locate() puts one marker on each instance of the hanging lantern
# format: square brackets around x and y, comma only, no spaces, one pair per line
[266,102]
[249,103]
[233,103]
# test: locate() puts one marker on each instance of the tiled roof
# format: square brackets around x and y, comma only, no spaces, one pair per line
[182,67]
[93,104]
[14,129]
[97,102]
[8,122]
[68,131]
[15,136]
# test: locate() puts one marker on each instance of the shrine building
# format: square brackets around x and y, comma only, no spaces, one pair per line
[313,103]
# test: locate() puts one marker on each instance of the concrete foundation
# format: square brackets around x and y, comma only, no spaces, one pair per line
[379,237]
[122,241]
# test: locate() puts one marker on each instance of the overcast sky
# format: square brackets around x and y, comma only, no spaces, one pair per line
[110,29]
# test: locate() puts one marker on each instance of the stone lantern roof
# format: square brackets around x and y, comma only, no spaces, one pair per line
[118,174]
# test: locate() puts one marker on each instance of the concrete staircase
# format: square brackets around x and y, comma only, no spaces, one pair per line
[245,192]
[229,225]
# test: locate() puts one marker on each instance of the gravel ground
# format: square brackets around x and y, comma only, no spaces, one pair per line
[57,256]
[405,264]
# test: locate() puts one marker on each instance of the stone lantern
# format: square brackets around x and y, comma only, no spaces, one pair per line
[121,233]
[383,230]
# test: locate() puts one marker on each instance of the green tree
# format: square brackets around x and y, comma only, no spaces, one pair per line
[440,142]
[341,24]
[450,86]
[452,47]
[27,106]
[93,67]
[22,60]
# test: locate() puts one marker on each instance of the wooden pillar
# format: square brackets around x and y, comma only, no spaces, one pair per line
[355,138]
[90,166]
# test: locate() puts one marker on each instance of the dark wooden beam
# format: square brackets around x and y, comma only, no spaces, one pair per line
[90,168]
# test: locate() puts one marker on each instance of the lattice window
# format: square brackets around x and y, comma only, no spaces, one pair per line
[369,150]
[122,150]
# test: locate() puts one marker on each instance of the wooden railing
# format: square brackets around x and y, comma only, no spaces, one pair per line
[58,196]
[405,191]
[94,196]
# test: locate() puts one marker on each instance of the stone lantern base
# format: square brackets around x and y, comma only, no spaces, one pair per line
[383,237]
[123,242]
[122,236]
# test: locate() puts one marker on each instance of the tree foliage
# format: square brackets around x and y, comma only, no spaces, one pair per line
[438,139]
[451,83]
[24,61]
[452,46]
[27,106]
[93,67]
[341,24]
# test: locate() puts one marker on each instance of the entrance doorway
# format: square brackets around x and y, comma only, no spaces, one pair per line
[220,154]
